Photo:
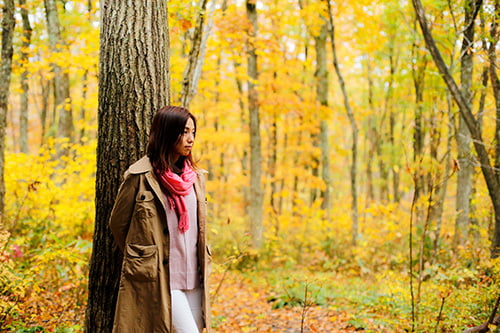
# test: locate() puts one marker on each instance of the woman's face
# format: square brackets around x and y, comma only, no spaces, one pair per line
[185,143]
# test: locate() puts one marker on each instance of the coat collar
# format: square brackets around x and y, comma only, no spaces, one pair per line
[141,166]
[144,165]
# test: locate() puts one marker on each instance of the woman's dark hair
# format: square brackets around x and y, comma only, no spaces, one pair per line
[166,130]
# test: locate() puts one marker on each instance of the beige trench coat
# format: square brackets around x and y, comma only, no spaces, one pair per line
[139,226]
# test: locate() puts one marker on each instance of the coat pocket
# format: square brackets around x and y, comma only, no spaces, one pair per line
[141,262]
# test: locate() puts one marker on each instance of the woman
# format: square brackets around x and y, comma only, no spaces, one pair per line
[159,222]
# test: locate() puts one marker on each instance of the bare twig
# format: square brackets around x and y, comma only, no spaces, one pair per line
[440,314]
[412,293]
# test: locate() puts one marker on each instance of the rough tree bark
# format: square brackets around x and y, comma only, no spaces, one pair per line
[256,195]
[489,173]
[62,97]
[23,114]
[133,85]
[354,130]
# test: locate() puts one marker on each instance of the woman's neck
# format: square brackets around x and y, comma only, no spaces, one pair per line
[179,164]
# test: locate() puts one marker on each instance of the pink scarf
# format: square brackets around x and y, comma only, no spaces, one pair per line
[178,187]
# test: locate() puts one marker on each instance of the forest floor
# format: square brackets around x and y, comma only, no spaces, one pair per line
[273,300]
[240,303]
[241,306]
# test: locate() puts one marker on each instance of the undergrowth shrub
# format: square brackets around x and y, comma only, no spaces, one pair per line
[293,292]
[49,216]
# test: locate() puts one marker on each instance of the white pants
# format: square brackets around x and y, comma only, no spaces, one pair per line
[187,315]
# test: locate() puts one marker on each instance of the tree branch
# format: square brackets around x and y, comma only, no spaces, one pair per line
[465,110]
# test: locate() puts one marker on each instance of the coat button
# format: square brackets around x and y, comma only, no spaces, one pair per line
[165,261]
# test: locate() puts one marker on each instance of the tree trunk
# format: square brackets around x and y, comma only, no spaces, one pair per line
[85,82]
[8,25]
[83,111]
[465,158]
[273,165]
[388,109]
[495,82]
[474,220]
[490,175]
[419,133]
[370,137]
[62,98]
[315,160]
[244,127]
[436,211]
[256,197]
[130,56]
[195,59]
[354,129]
[23,117]
[45,88]
[321,75]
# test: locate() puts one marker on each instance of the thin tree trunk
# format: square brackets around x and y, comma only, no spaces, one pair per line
[85,86]
[440,177]
[418,76]
[371,136]
[203,48]
[256,196]
[315,160]
[495,82]
[8,25]
[490,176]
[83,111]
[23,115]
[130,54]
[388,109]
[45,87]
[273,165]
[465,158]
[474,221]
[244,158]
[321,75]
[62,98]
[437,208]
[189,85]
[382,165]
[354,129]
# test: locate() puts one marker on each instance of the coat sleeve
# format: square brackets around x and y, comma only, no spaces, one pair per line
[121,215]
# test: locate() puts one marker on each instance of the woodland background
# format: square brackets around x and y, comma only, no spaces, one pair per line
[373,215]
